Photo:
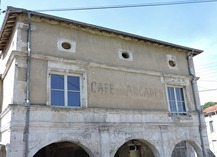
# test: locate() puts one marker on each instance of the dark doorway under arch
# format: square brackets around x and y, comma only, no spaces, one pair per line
[62,149]
[2,151]
[134,148]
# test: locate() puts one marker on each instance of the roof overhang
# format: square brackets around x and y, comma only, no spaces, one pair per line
[12,14]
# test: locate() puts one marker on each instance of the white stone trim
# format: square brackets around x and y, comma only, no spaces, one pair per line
[120,51]
[72,44]
[172,58]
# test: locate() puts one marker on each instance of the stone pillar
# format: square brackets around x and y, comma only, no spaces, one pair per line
[163,134]
[105,141]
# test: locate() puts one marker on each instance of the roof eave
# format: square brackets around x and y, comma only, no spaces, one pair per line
[7,26]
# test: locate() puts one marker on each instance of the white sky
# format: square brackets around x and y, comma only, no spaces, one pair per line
[192,25]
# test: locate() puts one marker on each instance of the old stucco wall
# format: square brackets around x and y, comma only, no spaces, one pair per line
[101,48]
[102,86]
[118,89]
[134,83]
[39,81]
[8,86]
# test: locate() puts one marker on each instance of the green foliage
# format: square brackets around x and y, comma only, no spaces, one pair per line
[208,104]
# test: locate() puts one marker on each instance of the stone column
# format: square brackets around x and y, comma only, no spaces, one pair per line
[104,139]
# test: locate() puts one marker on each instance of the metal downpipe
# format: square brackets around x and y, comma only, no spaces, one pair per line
[26,128]
[196,100]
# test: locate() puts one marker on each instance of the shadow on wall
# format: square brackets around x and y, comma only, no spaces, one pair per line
[2,151]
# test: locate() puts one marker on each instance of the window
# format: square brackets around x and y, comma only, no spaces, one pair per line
[125,55]
[172,62]
[65,90]
[211,126]
[176,100]
[66,45]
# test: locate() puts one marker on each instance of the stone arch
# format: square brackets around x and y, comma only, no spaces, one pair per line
[52,143]
[186,147]
[136,147]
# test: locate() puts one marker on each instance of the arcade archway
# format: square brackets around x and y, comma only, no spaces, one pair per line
[135,148]
[186,149]
[62,149]
[2,151]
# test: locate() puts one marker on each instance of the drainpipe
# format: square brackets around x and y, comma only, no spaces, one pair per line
[26,128]
[196,97]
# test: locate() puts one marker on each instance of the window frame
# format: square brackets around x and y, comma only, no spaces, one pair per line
[211,126]
[177,112]
[65,90]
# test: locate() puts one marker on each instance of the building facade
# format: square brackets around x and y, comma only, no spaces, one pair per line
[211,123]
[74,89]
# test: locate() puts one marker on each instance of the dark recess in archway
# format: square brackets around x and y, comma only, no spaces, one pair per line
[2,151]
[134,148]
[62,149]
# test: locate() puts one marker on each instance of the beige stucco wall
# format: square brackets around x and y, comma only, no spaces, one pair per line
[114,82]
[106,87]
[20,81]
[118,89]
[39,82]
[8,87]
[101,48]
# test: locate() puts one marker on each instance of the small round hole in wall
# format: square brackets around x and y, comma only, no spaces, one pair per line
[66,45]
[125,55]
[172,63]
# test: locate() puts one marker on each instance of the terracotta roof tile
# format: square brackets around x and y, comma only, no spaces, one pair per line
[210,109]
